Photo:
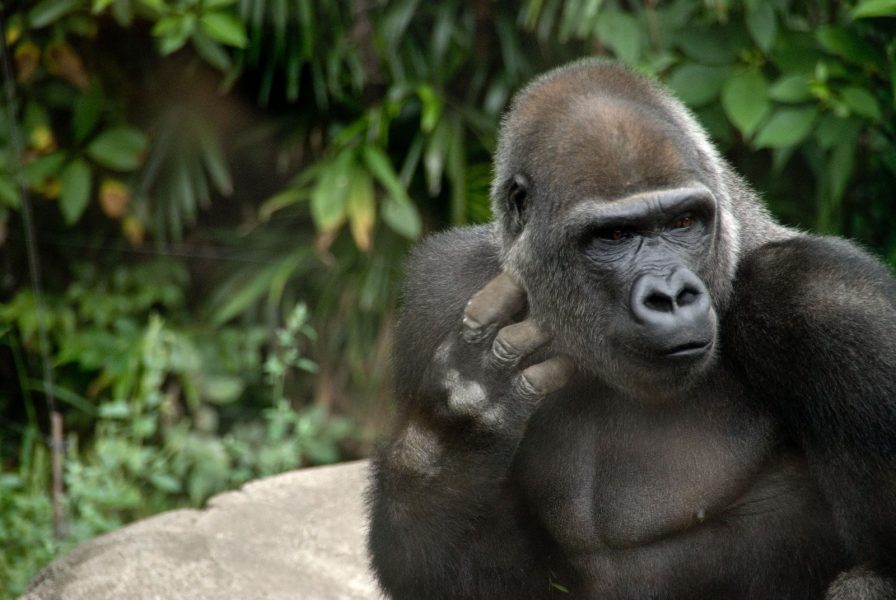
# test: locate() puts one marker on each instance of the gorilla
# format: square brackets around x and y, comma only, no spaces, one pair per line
[634,383]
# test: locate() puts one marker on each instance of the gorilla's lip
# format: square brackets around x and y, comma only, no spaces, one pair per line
[690,349]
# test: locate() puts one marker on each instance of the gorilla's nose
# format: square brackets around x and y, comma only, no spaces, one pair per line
[675,310]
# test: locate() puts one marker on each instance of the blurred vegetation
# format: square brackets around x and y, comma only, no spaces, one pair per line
[220,194]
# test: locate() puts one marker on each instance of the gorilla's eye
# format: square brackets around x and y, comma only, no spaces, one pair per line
[614,234]
[683,222]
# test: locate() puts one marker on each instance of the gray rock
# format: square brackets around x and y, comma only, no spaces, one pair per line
[299,535]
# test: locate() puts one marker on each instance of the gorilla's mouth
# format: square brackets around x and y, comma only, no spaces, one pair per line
[690,349]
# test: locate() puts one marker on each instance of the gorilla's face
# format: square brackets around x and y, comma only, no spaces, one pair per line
[616,243]
[621,285]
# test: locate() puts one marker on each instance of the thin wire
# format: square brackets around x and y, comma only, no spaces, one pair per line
[27,222]
[235,253]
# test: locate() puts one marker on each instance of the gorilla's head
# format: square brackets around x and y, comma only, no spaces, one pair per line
[616,214]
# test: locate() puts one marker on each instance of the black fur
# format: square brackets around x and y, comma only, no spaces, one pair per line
[761,466]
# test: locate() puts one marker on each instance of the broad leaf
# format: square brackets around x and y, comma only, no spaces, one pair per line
[381,167]
[402,217]
[763,26]
[328,198]
[874,8]
[75,183]
[361,209]
[697,85]
[225,28]
[43,168]
[9,193]
[790,88]
[847,44]
[621,32]
[786,127]
[861,102]
[840,168]
[119,149]
[745,100]
[86,112]
[832,130]
[49,11]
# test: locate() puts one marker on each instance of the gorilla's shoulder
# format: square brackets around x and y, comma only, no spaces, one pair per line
[443,272]
[809,257]
[452,265]
[812,272]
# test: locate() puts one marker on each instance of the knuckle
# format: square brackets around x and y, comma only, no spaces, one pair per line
[549,376]
[526,389]
[500,299]
[504,353]
[526,336]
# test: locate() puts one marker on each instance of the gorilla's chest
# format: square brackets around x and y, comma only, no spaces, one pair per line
[602,473]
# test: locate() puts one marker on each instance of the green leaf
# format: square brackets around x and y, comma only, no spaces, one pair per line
[402,217]
[75,182]
[211,51]
[431,109]
[9,193]
[874,8]
[398,211]
[832,130]
[791,89]
[86,112]
[225,28]
[381,167]
[173,32]
[214,161]
[361,209]
[786,127]
[435,155]
[745,100]
[329,194]
[697,85]
[49,11]
[117,409]
[861,102]
[119,149]
[763,26]
[222,389]
[165,482]
[795,52]
[218,3]
[848,45]
[840,169]
[44,167]
[250,288]
[710,45]
[621,32]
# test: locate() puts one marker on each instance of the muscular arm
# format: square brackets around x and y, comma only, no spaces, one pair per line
[814,328]
[443,521]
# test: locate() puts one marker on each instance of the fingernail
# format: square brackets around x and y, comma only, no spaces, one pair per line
[470,323]
[472,330]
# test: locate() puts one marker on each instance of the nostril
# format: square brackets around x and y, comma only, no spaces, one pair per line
[659,302]
[687,296]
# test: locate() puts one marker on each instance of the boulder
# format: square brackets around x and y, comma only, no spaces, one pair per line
[295,535]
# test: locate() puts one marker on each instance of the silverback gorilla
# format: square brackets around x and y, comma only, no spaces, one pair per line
[634,383]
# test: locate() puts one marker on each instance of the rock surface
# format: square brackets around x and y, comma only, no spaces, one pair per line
[296,535]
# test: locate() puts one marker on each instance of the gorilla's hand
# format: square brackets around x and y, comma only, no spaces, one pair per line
[482,370]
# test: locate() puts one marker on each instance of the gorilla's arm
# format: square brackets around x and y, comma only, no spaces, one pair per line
[814,327]
[444,522]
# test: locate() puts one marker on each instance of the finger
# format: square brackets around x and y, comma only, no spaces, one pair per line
[498,302]
[546,377]
[516,342]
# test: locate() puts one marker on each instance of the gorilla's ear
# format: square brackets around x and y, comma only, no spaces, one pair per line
[517,199]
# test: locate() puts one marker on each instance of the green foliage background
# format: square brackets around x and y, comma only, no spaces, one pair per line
[221,193]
